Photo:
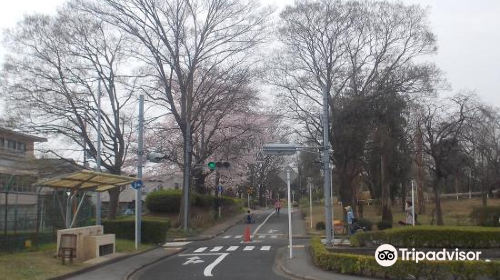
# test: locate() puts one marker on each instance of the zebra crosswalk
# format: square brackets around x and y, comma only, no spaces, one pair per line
[232,248]
[259,236]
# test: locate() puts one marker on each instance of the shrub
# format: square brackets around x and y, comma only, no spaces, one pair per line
[365,223]
[382,225]
[152,231]
[486,216]
[431,237]
[164,201]
[320,225]
[364,265]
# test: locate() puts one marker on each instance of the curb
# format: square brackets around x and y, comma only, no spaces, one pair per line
[99,265]
[131,274]
[280,265]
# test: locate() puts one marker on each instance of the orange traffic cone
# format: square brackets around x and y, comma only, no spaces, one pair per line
[246,236]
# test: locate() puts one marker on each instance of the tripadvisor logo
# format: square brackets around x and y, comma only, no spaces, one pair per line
[387,255]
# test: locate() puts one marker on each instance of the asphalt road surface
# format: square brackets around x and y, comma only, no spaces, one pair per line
[227,257]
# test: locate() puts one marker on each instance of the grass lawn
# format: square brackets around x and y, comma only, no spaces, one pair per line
[455,213]
[39,264]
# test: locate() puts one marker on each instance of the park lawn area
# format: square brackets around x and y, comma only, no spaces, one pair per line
[39,264]
[455,213]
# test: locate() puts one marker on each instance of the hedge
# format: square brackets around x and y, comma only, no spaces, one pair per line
[486,216]
[164,201]
[363,265]
[431,237]
[383,225]
[168,201]
[152,231]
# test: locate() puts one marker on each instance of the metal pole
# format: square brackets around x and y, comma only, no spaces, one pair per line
[413,202]
[310,203]
[326,169]
[289,212]
[138,191]
[98,156]
[248,200]
[187,152]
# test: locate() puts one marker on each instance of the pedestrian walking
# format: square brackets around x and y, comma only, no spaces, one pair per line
[277,205]
[350,219]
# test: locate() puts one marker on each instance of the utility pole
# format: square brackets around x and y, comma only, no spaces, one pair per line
[326,169]
[187,155]
[289,212]
[138,191]
[98,156]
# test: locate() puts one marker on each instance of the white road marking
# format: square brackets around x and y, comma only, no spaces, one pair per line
[274,236]
[262,236]
[248,248]
[232,248]
[201,249]
[194,259]
[265,248]
[272,231]
[175,244]
[238,236]
[208,270]
[265,221]
[227,236]
[216,249]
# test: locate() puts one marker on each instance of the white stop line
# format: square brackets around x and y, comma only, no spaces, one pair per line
[208,270]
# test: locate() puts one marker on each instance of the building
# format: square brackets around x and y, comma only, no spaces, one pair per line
[19,169]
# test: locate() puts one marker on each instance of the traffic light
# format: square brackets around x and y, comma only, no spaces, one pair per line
[218,165]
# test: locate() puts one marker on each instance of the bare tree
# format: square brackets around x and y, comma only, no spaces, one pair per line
[178,38]
[51,75]
[443,138]
[354,50]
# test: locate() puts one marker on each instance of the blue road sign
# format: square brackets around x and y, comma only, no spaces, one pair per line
[219,189]
[137,184]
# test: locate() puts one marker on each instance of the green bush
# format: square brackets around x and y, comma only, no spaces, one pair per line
[365,223]
[320,225]
[164,201]
[431,237]
[364,265]
[152,231]
[486,216]
[382,225]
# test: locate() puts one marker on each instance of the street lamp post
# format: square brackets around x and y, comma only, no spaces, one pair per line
[291,149]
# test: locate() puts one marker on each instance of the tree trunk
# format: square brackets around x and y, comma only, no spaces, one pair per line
[437,200]
[199,180]
[114,196]
[403,195]
[386,201]
[345,190]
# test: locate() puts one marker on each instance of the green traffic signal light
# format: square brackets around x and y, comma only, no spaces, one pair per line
[211,165]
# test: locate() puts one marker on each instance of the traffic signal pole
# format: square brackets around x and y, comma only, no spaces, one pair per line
[326,170]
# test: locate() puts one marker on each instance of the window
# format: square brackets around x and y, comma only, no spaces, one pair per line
[21,146]
[2,143]
[11,144]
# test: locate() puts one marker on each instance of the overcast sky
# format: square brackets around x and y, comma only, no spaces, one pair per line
[468,35]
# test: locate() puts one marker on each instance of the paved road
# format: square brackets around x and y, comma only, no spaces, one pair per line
[227,257]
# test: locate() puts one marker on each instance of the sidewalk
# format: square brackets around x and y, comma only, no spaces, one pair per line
[301,266]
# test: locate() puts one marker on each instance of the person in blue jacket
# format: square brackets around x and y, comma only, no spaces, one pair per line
[350,219]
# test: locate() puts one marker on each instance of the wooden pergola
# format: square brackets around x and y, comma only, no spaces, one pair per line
[82,181]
